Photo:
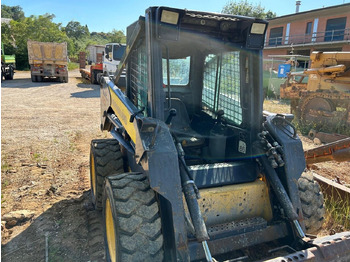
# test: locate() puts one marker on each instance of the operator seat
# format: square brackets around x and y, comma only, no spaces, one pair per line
[180,125]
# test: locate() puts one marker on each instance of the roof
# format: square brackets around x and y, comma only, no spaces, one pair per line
[327,9]
[5,20]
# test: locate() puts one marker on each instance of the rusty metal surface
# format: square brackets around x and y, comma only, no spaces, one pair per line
[82,57]
[338,151]
[332,189]
[221,245]
[335,248]
[325,137]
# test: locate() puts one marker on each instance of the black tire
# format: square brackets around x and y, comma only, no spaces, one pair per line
[105,159]
[11,73]
[94,77]
[131,219]
[312,202]
[34,79]
[96,237]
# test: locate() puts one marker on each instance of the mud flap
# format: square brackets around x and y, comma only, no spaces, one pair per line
[335,248]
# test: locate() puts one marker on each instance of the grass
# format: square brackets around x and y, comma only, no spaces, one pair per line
[337,216]
[4,166]
[72,66]
[283,106]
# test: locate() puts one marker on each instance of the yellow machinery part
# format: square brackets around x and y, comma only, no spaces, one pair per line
[111,241]
[123,114]
[235,202]
[93,174]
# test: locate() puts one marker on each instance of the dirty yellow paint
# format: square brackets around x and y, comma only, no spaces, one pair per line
[235,202]
[123,114]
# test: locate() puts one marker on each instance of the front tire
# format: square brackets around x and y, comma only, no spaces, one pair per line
[105,159]
[312,202]
[132,220]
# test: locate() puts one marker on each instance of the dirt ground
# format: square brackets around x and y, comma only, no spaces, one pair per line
[46,129]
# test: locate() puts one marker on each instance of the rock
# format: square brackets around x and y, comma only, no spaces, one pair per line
[3,223]
[23,188]
[12,223]
[317,141]
[53,188]
[13,217]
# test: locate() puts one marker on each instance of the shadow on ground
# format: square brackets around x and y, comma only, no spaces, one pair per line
[93,93]
[62,232]
[27,83]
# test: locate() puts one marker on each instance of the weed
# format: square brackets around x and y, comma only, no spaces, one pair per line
[4,166]
[36,156]
[5,183]
[72,147]
[337,213]
[72,66]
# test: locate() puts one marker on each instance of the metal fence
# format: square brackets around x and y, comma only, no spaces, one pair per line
[318,37]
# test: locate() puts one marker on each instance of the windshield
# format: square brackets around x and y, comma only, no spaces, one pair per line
[179,71]
[118,52]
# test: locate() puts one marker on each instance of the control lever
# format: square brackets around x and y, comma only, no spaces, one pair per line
[172,113]
[219,114]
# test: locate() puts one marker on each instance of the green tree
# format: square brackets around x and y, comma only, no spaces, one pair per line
[37,28]
[243,7]
[117,36]
[75,30]
[13,12]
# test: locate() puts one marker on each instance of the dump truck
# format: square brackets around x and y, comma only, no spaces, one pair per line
[325,98]
[195,171]
[48,60]
[8,65]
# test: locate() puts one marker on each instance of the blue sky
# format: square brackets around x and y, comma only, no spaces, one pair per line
[104,16]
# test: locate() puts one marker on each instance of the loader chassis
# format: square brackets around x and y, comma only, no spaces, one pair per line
[221,178]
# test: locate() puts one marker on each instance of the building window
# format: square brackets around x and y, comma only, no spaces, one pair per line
[276,36]
[308,28]
[335,29]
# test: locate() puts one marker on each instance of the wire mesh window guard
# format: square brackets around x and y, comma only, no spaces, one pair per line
[222,85]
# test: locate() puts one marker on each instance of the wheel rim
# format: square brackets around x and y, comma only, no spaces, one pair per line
[110,233]
[93,175]
[317,104]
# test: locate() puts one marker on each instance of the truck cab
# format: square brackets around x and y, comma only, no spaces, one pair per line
[112,56]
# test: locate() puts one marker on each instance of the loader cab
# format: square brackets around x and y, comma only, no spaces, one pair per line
[208,70]
[191,119]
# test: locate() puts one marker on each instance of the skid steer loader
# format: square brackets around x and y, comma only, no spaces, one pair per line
[195,170]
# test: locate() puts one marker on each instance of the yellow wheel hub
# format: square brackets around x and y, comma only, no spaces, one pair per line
[93,175]
[110,232]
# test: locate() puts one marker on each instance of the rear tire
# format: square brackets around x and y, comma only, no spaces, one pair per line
[94,79]
[312,202]
[131,219]
[11,73]
[105,159]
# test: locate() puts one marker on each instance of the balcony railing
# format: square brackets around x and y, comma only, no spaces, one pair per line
[318,37]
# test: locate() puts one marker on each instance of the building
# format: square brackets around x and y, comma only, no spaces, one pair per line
[324,29]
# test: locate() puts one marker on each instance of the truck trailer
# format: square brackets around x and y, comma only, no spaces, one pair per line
[48,60]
